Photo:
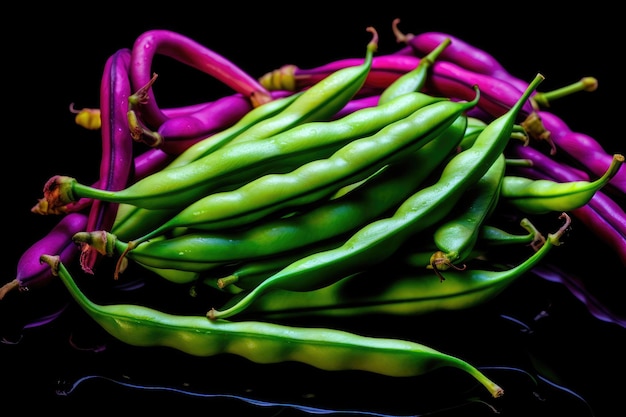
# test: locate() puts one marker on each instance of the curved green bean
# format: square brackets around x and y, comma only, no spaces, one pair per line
[542,196]
[265,343]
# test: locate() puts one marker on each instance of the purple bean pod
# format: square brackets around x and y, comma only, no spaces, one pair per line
[189,52]
[186,110]
[459,52]
[30,272]
[497,96]
[117,146]
[583,148]
[178,133]
[149,162]
[602,215]
[385,69]
[357,104]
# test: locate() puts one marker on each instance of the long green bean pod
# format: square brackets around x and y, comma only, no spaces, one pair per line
[456,237]
[265,343]
[201,250]
[412,292]
[378,240]
[542,196]
[232,166]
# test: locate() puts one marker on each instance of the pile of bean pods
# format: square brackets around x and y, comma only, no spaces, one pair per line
[432,166]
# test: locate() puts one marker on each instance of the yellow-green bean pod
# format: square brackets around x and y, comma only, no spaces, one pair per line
[265,343]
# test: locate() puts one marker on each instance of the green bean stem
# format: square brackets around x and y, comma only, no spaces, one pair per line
[265,343]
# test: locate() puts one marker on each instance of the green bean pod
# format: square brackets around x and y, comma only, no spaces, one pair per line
[232,166]
[344,212]
[265,343]
[316,180]
[542,196]
[379,239]
[410,293]
[456,237]
[415,79]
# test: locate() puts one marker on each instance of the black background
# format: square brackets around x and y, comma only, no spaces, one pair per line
[55,57]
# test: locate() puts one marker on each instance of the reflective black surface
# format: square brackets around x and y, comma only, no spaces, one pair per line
[552,353]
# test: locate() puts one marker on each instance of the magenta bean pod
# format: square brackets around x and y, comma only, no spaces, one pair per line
[496,96]
[459,52]
[583,148]
[357,104]
[178,133]
[117,145]
[31,273]
[385,69]
[189,52]
[446,78]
